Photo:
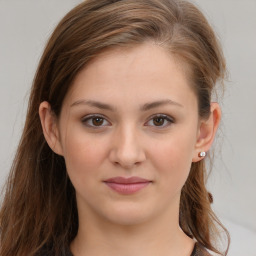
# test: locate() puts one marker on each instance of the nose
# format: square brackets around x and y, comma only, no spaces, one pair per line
[126,149]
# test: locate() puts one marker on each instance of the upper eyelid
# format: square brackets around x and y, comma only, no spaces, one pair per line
[92,116]
[165,116]
[161,115]
[152,116]
[168,118]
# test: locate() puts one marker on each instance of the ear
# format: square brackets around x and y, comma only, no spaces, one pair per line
[207,131]
[50,127]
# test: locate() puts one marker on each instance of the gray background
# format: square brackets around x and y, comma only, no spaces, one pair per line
[25,26]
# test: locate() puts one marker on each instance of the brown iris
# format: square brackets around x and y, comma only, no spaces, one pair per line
[97,121]
[158,121]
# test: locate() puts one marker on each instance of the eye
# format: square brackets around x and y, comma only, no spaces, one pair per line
[160,120]
[95,121]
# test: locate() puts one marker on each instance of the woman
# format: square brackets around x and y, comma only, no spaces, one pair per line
[111,160]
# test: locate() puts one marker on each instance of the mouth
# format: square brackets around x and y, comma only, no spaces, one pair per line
[127,186]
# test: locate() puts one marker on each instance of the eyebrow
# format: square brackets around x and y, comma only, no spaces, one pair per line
[144,107]
[150,105]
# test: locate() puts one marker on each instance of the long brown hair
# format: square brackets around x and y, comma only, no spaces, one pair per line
[39,209]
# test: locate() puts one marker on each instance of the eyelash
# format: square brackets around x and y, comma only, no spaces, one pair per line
[166,118]
[90,118]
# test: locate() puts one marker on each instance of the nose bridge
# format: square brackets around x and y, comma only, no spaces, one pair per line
[127,150]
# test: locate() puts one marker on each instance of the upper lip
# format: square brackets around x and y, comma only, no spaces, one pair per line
[130,180]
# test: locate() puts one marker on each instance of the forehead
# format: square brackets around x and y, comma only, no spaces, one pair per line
[145,70]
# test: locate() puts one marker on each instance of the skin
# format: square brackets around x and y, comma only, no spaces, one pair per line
[128,141]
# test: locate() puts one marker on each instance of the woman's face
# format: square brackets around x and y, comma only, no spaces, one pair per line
[131,113]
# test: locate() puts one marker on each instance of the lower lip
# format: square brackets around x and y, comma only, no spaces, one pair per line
[127,189]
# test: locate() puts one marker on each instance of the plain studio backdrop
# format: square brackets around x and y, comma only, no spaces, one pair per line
[25,26]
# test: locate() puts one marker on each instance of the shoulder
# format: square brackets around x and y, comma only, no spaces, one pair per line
[67,253]
[199,250]
[49,252]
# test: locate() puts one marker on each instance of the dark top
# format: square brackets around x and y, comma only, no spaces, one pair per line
[197,251]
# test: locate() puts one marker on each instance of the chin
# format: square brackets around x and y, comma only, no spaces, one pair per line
[129,216]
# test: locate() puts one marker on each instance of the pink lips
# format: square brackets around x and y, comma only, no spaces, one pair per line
[127,185]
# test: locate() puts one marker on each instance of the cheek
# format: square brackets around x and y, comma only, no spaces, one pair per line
[173,160]
[83,157]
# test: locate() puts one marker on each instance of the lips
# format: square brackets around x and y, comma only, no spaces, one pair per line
[126,186]
[130,180]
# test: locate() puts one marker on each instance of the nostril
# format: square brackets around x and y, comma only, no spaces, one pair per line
[126,165]
[126,152]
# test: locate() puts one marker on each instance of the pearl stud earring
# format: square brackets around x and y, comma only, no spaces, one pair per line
[201,154]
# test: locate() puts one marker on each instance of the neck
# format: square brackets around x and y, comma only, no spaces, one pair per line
[159,236]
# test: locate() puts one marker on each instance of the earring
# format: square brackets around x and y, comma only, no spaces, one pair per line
[201,154]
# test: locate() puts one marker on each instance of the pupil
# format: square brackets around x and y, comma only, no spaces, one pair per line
[97,121]
[158,121]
